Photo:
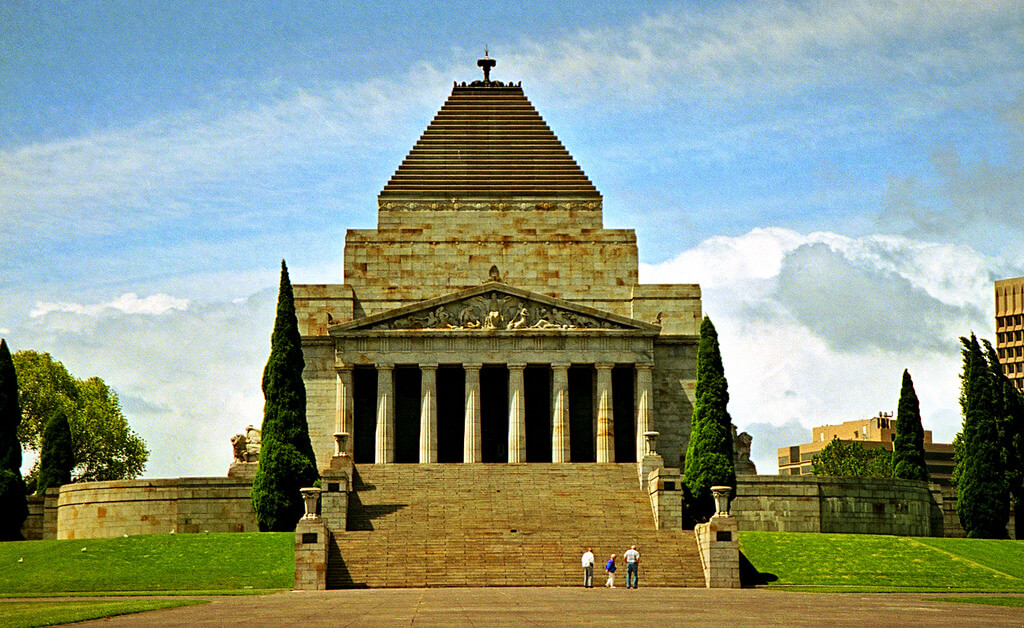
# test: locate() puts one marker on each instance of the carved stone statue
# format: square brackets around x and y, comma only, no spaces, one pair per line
[741,453]
[246,446]
[246,449]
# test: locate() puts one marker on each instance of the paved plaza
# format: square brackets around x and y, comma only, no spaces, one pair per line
[569,606]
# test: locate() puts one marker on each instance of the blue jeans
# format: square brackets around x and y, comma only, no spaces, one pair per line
[632,574]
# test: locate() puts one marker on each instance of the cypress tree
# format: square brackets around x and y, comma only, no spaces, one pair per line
[287,462]
[57,456]
[1010,404]
[709,455]
[13,503]
[983,503]
[908,448]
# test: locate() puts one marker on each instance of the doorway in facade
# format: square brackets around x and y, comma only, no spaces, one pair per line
[451,412]
[494,414]
[537,390]
[582,444]
[364,385]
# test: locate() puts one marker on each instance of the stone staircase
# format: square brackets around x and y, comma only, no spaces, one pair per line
[439,525]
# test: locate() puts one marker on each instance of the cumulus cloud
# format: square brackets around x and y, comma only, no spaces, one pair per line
[817,328]
[188,377]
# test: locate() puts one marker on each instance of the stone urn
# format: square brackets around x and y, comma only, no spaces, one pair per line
[341,443]
[310,496]
[651,443]
[721,494]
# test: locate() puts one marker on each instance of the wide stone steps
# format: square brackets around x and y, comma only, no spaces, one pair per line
[501,524]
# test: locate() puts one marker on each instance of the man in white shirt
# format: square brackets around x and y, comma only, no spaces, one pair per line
[632,567]
[588,569]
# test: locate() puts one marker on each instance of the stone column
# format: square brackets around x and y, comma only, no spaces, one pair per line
[472,450]
[605,431]
[344,407]
[428,413]
[384,446]
[644,398]
[560,451]
[516,413]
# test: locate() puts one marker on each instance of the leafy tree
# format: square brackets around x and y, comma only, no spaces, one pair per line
[983,501]
[850,459]
[908,448]
[1010,412]
[709,454]
[287,462]
[105,446]
[57,457]
[13,504]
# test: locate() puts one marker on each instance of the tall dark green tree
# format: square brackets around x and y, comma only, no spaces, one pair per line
[13,502]
[908,448]
[1010,405]
[57,455]
[287,462]
[709,454]
[983,499]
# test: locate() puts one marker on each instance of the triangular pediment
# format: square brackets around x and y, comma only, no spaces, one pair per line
[494,306]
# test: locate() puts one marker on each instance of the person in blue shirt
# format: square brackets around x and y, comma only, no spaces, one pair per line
[609,569]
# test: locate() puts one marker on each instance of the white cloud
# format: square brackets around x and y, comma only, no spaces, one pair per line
[817,328]
[189,378]
[128,303]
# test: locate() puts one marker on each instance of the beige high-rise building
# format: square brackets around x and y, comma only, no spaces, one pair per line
[1010,328]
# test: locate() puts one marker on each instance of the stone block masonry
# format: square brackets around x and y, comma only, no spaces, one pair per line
[182,505]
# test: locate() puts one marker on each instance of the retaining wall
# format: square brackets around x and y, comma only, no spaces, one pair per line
[107,509]
[843,505]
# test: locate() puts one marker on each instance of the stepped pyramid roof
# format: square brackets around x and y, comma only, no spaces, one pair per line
[488,142]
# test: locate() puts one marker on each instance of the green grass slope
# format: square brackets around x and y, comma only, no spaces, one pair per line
[882,563]
[178,562]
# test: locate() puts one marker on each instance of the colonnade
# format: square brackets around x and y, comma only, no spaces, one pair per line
[384,442]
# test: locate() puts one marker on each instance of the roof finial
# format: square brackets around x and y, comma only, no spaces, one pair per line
[486,63]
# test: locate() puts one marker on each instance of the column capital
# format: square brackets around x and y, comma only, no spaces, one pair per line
[561,365]
[516,365]
[429,366]
[643,366]
[384,366]
[472,366]
[604,365]
[341,368]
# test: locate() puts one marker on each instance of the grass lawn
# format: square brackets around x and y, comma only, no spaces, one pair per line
[213,563]
[51,612]
[991,601]
[865,562]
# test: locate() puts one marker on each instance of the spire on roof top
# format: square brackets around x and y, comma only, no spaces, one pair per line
[486,63]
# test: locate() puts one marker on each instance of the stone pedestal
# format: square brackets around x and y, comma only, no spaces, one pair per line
[718,544]
[665,487]
[243,470]
[650,459]
[337,483]
[311,539]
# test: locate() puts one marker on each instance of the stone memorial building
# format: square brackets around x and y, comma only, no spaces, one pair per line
[484,388]
[490,316]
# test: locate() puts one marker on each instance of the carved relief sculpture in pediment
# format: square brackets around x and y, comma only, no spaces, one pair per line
[495,310]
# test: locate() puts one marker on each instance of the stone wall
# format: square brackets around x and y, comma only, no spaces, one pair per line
[321,396]
[32,529]
[840,505]
[108,509]
[674,379]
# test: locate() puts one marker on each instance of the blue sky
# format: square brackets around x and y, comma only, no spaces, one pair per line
[844,179]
